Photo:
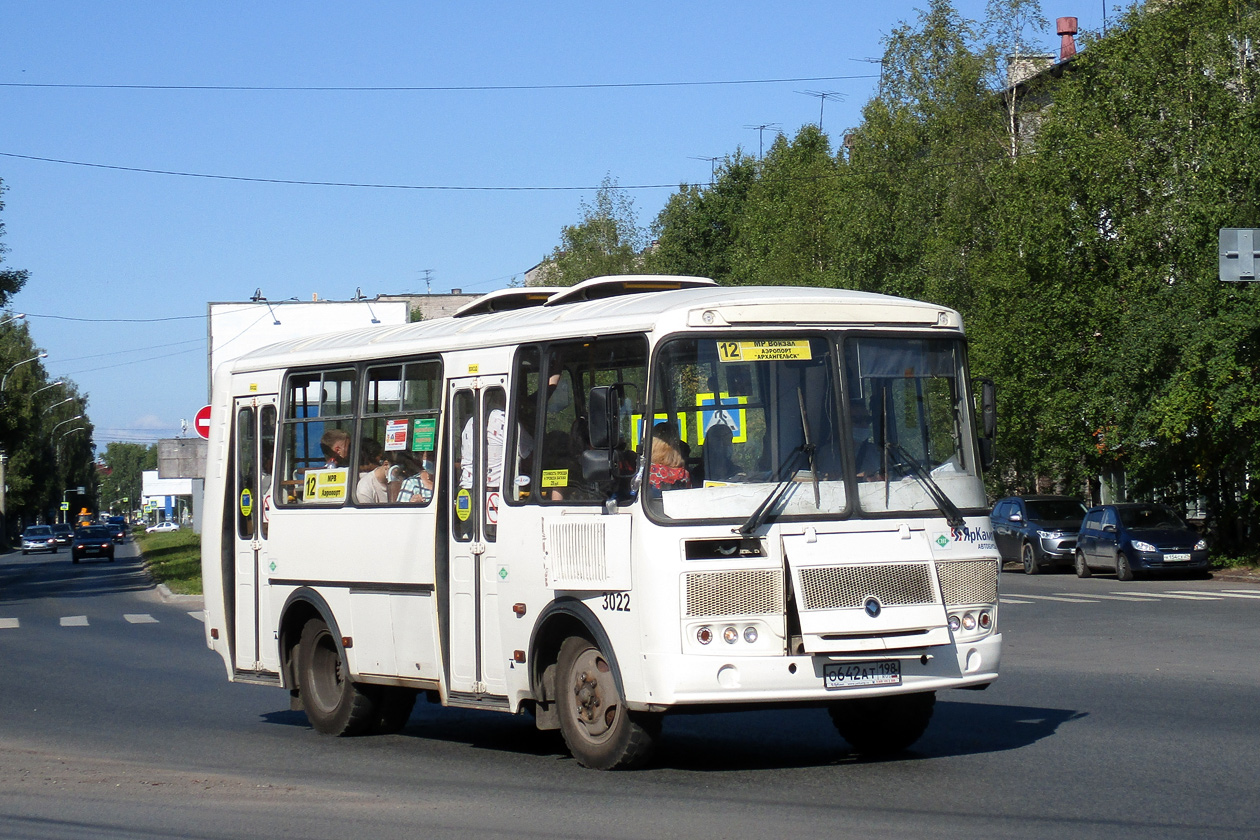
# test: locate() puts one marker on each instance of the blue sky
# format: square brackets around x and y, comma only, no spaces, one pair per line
[134,257]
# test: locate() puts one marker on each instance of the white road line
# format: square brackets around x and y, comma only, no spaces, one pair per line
[200,615]
[1170,595]
[74,621]
[139,618]
[1109,597]
[1013,601]
[1253,595]
[8,623]
[1246,593]
[1073,600]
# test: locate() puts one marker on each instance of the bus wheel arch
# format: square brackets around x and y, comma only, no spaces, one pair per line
[561,619]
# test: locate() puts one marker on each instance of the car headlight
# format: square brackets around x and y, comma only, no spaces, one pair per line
[1201,545]
[1047,535]
[1138,545]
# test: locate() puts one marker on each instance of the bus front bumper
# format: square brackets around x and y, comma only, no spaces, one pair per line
[697,680]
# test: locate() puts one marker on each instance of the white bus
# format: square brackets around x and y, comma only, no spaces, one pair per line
[637,496]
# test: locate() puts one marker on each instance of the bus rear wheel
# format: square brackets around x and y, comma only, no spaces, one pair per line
[334,705]
[597,727]
[883,726]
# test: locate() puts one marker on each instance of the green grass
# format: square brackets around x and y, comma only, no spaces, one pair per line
[173,558]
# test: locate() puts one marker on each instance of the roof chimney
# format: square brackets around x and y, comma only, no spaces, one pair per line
[1066,27]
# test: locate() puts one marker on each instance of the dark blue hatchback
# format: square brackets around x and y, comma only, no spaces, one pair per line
[1131,538]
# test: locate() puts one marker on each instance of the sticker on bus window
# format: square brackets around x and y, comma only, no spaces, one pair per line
[768,350]
[555,478]
[423,434]
[395,435]
[247,503]
[721,409]
[463,504]
[326,485]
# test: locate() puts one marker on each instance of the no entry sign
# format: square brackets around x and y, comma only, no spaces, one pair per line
[201,423]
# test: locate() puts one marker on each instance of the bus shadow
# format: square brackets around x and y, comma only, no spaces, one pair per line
[764,740]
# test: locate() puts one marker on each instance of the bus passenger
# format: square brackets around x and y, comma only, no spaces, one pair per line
[335,444]
[669,471]
[373,487]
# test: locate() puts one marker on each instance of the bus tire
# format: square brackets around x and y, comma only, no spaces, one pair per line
[599,730]
[334,705]
[883,726]
[393,709]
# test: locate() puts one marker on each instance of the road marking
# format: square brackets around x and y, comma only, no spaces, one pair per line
[74,621]
[1109,597]
[8,623]
[1219,594]
[200,615]
[1170,595]
[1013,601]
[139,618]
[1250,592]
[1073,600]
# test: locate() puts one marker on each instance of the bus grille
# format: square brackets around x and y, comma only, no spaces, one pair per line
[749,592]
[968,581]
[847,587]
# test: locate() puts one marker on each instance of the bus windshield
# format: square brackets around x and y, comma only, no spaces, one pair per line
[746,422]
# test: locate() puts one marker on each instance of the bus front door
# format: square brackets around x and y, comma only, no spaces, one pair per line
[254,445]
[477,437]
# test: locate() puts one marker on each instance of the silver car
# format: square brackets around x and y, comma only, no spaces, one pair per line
[39,538]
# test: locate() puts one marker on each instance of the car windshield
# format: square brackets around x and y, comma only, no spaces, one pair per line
[1055,510]
[94,532]
[762,422]
[39,531]
[1150,516]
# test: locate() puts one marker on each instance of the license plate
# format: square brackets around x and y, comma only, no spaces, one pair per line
[1173,558]
[858,674]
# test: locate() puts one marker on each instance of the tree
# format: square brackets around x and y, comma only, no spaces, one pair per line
[125,463]
[11,279]
[607,241]
[697,230]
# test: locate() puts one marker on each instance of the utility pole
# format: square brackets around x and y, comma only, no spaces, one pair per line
[428,280]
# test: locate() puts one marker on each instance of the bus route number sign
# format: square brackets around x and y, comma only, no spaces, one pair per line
[841,675]
[767,350]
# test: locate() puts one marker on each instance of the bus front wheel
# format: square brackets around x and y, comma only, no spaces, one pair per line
[334,705]
[597,727]
[882,726]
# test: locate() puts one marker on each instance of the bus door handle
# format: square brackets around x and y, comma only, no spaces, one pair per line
[478,548]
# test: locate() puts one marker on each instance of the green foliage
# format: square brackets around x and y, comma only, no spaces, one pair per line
[11,279]
[125,463]
[1072,221]
[607,241]
[173,558]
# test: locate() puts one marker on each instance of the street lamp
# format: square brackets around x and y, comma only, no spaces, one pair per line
[45,388]
[63,402]
[64,422]
[16,317]
[5,380]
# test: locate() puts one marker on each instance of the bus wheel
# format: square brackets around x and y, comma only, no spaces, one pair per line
[334,705]
[598,728]
[393,709]
[882,726]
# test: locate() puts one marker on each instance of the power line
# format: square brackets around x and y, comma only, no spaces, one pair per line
[427,88]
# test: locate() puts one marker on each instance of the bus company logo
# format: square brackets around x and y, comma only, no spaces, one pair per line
[977,537]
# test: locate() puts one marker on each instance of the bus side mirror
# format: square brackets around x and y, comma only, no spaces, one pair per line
[988,421]
[602,415]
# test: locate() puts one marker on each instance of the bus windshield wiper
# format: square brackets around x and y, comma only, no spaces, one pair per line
[944,504]
[762,513]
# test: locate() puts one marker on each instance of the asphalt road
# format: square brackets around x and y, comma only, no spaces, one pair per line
[1124,711]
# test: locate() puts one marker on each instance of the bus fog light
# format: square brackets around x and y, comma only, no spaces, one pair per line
[969,622]
[704,635]
[731,635]
[954,623]
[986,620]
[750,635]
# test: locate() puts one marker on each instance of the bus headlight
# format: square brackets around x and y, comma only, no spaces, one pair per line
[750,635]
[704,635]
[730,635]
[969,621]
[954,623]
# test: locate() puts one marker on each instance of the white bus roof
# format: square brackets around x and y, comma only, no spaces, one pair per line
[638,307]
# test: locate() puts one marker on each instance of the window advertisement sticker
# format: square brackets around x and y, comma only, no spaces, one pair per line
[395,435]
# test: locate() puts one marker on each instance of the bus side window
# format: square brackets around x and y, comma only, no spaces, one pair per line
[401,407]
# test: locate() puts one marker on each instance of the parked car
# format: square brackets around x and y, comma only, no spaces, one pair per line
[162,527]
[1133,538]
[93,541]
[1037,531]
[39,538]
[63,532]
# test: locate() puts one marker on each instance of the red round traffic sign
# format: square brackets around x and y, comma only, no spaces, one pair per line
[201,423]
